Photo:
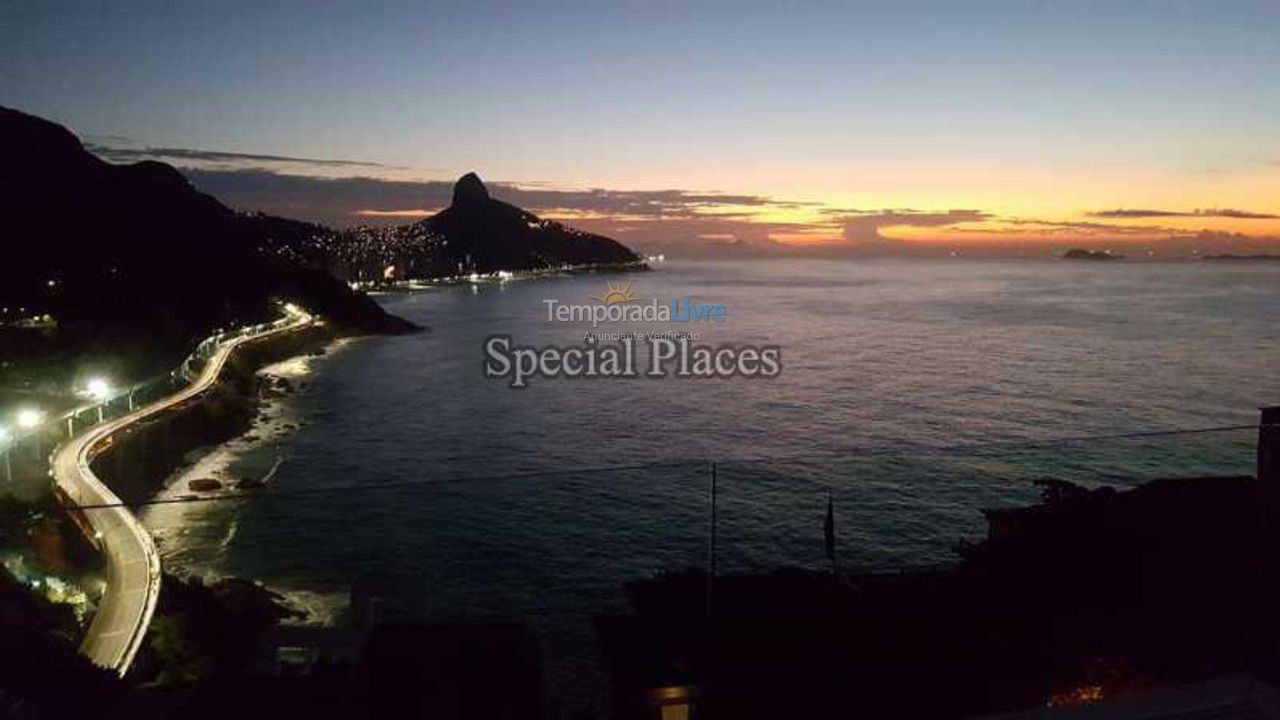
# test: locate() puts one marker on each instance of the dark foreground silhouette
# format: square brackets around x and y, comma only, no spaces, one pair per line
[131,258]
[1088,595]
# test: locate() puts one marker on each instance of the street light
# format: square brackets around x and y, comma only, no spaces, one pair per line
[29,418]
[98,389]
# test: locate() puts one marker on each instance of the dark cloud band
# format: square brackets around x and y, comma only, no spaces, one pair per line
[127,154]
[1126,213]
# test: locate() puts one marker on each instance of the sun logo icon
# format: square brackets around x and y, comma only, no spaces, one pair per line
[618,294]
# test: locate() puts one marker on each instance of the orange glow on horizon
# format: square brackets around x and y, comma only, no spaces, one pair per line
[903,202]
[407,213]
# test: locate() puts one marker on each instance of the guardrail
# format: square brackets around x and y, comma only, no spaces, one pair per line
[79,487]
[86,416]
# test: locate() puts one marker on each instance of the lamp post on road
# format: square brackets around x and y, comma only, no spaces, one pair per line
[99,390]
[29,419]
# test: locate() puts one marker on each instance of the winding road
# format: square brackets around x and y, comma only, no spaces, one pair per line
[133,565]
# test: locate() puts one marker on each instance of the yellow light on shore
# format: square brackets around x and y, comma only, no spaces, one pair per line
[29,418]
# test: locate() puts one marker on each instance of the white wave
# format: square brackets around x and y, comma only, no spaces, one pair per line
[324,609]
[231,530]
[195,536]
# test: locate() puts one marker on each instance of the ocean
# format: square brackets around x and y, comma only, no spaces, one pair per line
[916,392]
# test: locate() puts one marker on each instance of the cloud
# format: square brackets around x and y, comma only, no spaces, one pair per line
[182,156]
[641,203]
[345,201]
[1228,213]
[706,235]
[1126,213]
[1076,227]
[864,230]
[342,193]
[331,201]
[1120,213]
[279,184]
[92,139]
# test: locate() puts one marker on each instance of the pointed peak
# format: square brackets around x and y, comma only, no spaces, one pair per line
[469,190]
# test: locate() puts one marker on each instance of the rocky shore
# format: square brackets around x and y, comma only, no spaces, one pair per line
[1087,595]
[201,630]
[137,463]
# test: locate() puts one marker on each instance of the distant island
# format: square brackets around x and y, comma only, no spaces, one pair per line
[476,234]
[1082,254]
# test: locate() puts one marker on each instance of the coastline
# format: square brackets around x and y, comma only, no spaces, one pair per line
[570,627]
[193,537]
[408,285]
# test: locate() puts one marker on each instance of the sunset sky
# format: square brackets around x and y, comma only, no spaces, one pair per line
[859,124]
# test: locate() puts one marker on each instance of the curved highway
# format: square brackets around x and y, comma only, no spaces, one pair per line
[133,565]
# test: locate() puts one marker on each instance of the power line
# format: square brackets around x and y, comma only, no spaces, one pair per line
[691,463]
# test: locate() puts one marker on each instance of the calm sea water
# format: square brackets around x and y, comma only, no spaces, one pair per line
[910,389]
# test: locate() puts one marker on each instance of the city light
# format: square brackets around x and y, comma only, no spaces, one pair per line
[28,418]
[98,388]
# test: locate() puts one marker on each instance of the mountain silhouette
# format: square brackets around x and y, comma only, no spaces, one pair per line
[134,251]
[486,235]
[469,191]
[475,234]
